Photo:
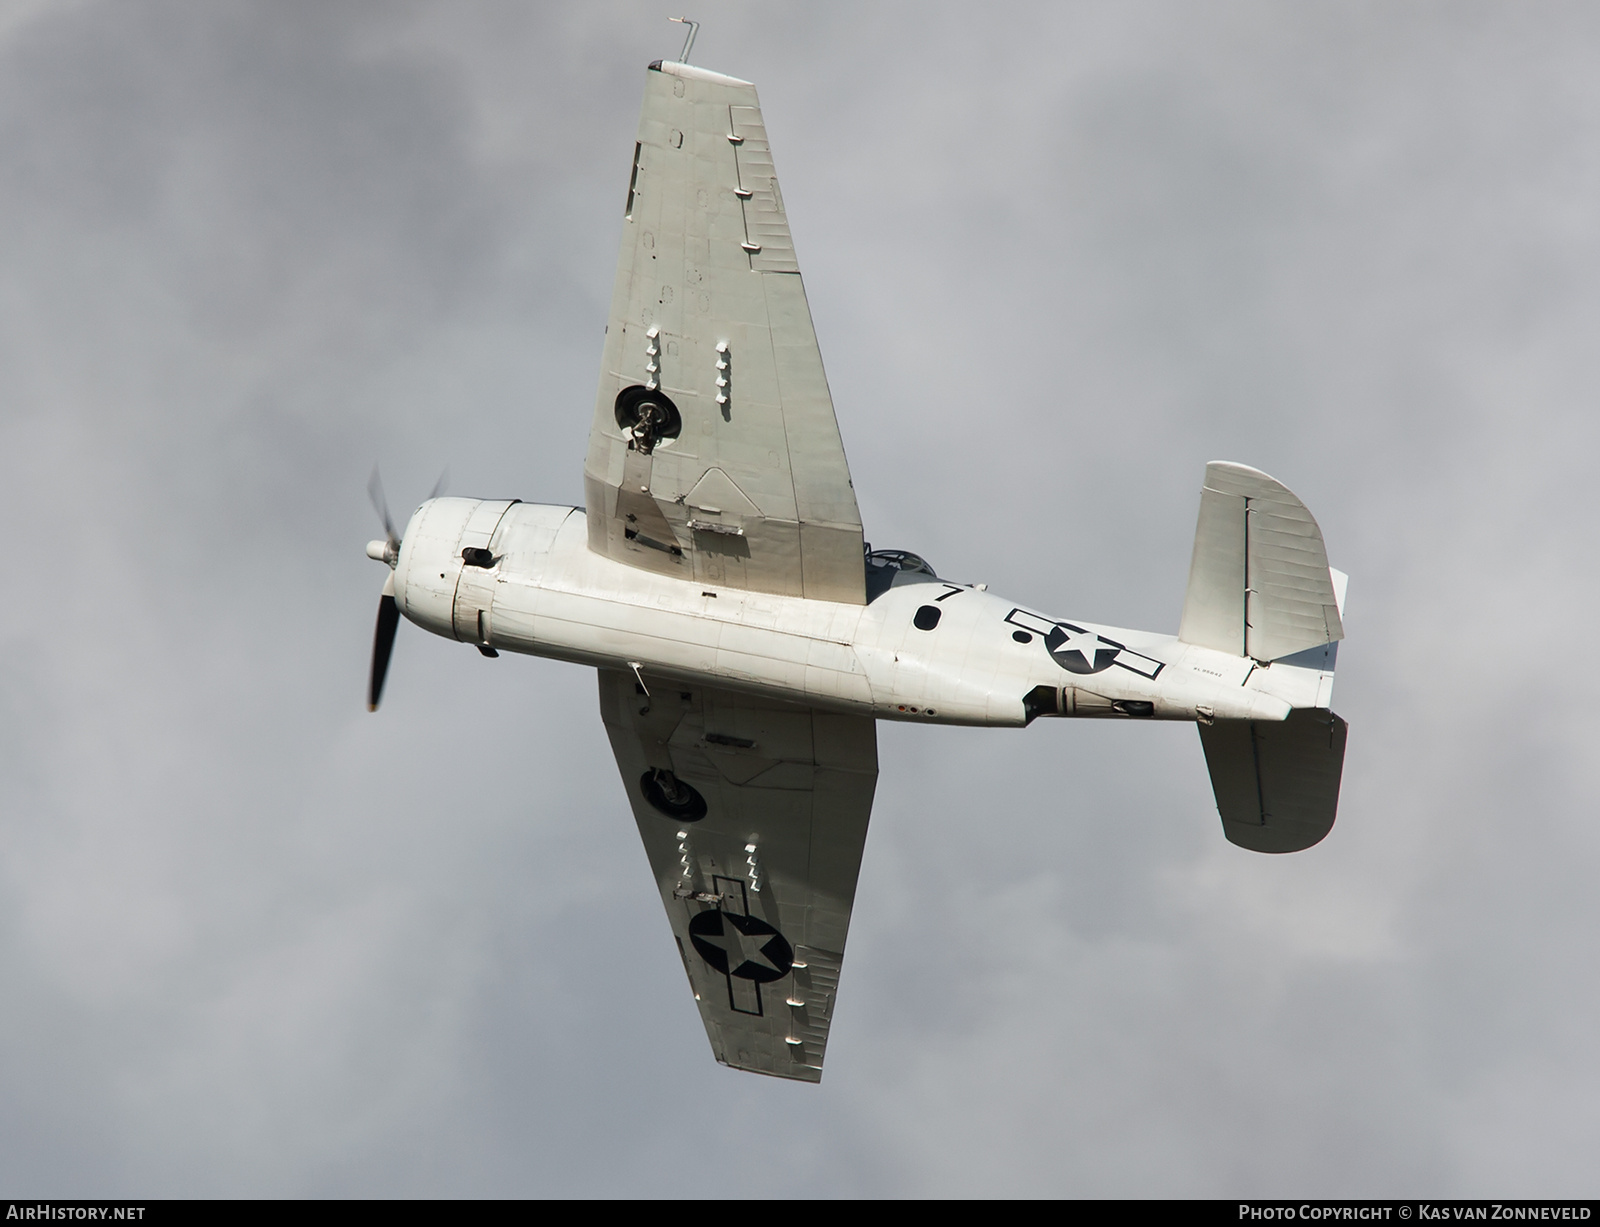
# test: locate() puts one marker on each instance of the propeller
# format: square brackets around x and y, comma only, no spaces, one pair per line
[387,551]
[391,549]
[382,642]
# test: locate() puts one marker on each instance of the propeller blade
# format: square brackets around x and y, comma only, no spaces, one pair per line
[382,643]
[381,506]
[438,486]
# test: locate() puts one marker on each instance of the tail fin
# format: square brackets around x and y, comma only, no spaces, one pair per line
[1259,583]
[1277,782]
[1260,586]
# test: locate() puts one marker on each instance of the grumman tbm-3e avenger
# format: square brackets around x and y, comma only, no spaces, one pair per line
[747,639]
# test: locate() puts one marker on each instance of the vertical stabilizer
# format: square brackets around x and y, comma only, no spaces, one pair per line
[1259,583]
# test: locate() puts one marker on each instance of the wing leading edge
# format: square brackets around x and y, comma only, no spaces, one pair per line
[715,454]
[754,817]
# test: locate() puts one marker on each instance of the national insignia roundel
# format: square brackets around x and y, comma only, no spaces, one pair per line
[1079,651]
[741,946]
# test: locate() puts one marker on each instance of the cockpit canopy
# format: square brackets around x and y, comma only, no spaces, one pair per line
[893,568]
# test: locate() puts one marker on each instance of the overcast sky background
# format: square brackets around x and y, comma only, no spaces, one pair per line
[256,941]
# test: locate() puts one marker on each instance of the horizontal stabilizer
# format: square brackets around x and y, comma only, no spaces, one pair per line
[1276,781]
[1259,583]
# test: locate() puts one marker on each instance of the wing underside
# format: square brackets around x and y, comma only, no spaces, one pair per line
[714,453]
[754,817]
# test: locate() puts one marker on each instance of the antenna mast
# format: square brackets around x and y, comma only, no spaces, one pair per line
[688,43]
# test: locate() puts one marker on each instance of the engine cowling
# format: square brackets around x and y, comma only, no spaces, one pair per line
[429,568]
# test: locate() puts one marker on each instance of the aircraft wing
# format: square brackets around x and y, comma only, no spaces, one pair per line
[714,453]
[754,817]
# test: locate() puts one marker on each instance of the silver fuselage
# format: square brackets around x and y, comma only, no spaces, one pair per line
[986,661]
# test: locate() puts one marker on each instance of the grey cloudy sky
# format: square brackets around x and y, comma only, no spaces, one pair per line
[255,941]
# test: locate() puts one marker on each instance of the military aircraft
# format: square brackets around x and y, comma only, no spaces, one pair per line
[747,639]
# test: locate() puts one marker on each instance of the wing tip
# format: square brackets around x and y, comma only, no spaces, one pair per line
[694,73]
[799,1071]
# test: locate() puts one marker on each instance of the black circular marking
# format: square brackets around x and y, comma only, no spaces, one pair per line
[634,402]
[1022,636]
[1072,659]
[927,618]
[707,926]
[673,797]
